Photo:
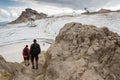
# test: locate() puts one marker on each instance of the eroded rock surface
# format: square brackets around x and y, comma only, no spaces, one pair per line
[84,52]
[9,70]
[28,15]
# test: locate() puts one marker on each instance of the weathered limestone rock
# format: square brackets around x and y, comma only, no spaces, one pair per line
[27,16]
[16,71]
[9,70]
[84,52]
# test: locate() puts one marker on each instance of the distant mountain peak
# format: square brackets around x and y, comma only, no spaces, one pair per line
[100,11]
[27,15]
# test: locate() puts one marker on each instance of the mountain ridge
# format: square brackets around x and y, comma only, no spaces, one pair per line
[28,15]
[100,11]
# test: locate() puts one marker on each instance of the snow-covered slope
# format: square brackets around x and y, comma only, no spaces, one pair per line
[48,28]
[46,31]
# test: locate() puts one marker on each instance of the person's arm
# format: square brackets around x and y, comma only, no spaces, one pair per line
[30,49]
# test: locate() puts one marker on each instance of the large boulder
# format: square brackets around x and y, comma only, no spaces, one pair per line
[9,70]
[28,15]
[84,52]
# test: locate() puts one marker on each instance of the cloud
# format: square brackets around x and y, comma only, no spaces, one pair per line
[14,14]
[74,4]
[81,4]
[9,15]
[51,7]
[4,12]
[25,1]
[47,7]
[4,15]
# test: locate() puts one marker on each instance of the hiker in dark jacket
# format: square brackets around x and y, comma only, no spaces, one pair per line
[34,52]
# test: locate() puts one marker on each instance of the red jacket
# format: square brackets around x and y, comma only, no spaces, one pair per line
[28,52]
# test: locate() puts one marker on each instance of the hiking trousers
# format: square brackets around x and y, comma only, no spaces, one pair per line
[34,56]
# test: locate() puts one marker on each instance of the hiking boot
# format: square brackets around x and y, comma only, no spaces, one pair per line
[28,64]
[25,64]
[33,67]
[36,66]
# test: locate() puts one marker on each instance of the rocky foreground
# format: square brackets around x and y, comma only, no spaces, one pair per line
[80,52]
[16,71]
[84,52]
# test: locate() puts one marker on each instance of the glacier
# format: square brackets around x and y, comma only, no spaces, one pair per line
[46,31]
[48,28]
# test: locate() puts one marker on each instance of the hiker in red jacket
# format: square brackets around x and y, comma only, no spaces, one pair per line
[26,55]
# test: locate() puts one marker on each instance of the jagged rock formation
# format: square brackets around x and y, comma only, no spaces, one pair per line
[27,15]
[9,70]
[101,11]
[16,71]
[83,52]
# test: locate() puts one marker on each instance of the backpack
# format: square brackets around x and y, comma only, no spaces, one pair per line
[35,49]
[25,51]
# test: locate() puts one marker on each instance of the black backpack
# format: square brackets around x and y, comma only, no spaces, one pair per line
[35,49]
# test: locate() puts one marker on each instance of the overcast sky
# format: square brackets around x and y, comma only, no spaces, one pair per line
[11,9]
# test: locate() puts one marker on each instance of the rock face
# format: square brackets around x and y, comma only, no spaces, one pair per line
[101,11]
[16,71]
[84,52]
[27,15]
[9,70]
[104,11]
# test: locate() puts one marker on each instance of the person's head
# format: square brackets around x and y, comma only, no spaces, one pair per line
[26,45]
[34,40]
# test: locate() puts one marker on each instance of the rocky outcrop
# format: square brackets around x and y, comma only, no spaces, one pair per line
[104,11]
[16,71]
[83,52]
[28,15]
[9,70]
[101,11]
